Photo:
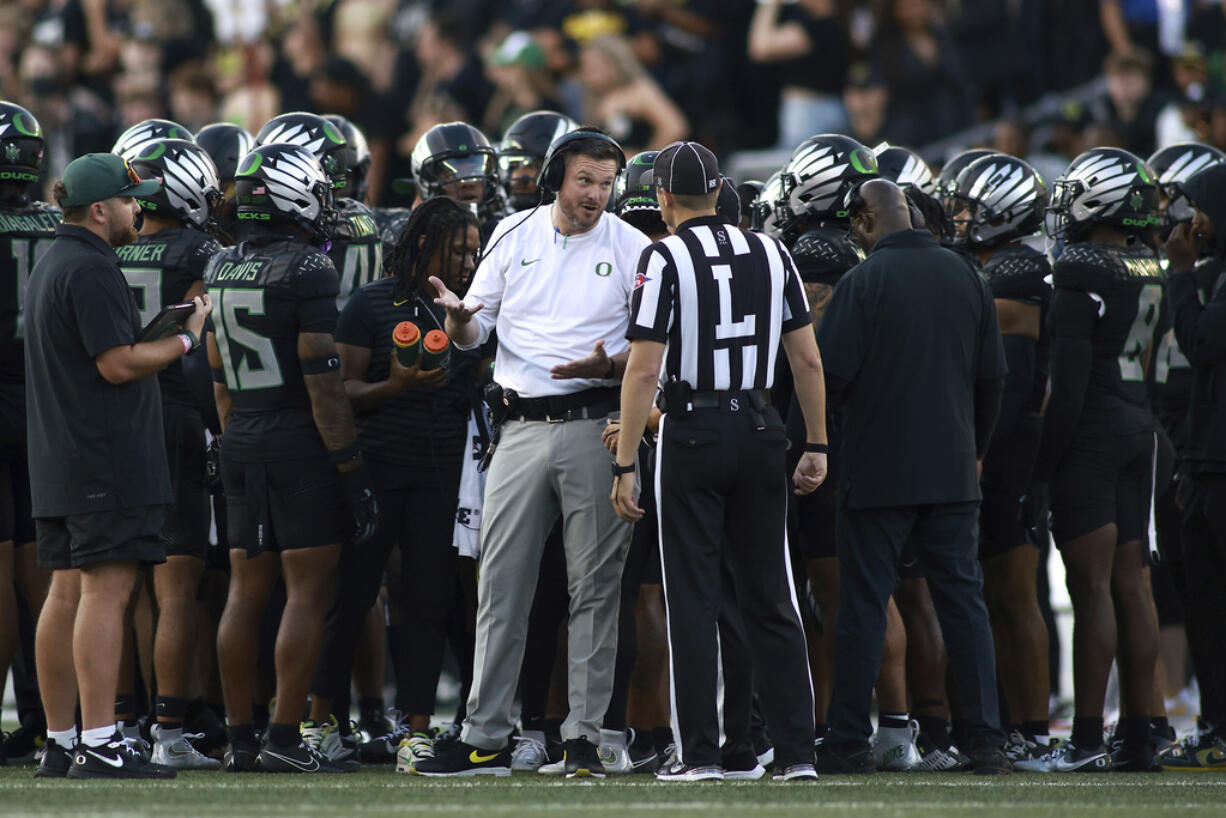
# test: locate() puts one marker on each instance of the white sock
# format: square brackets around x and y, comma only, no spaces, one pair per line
[97,736]
[67,739]
[168,734]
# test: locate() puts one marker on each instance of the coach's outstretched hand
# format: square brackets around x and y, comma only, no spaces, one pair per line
[810,472]
[457,310]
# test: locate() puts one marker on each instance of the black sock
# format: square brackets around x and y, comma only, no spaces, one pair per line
[370,711]
[1161,726]
[534,723]
[125,705]
[260,716]
[1135,730]
[1036,728]
[552,728]
[170,709]
[892,720]
[643,741]
[936,730]
[819,730]
[662,737]
[284,735]
[241,734]
[1088,732]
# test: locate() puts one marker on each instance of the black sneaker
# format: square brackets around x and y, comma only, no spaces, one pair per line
[22,745]
[643,755]
[462,759]
[676,772]
[833,760]
[56,761]
[241,757]
[582,761]
[116,759]
[302,758]
[742,766]
[990,761]
[796,772]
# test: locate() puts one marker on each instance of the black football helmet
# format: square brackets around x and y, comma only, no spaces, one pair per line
[904,167]
[225,144]
[459,154]
[747,192]
[1005,199]
[287,183]
[818,175]
[634,195]
[356,157]
[728,205]
[770,213]
[190,190]
[1174,165]
[21,144]
[1104,186]
[311,131]
[947,181]
[133,139]
[522,153]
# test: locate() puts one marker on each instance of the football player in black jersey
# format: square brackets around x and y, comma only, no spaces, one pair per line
[166,266]
[521,154]
[226,144]
[297,488]
[456,160]
[27,228]
[1003,202]
[354,245]
[1098,444]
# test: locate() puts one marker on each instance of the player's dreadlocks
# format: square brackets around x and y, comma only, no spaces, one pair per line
[430,227]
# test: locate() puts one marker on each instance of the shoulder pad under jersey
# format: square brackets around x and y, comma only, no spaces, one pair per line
[1019,273]
[1098,267]
[356,222]
[823,254]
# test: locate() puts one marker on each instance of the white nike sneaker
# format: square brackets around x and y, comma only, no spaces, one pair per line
[894,748]
[414,748]
[529,753]
[614,753]
[556,768]
[171,748]
[1067,757]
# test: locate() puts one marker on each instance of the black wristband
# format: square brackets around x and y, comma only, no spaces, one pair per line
[817,448]
[618,471]
[191,336]
[612,370]
[342,456]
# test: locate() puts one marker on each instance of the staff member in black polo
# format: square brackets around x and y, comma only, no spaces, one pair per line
[914,360]
[712,302]
[98,473]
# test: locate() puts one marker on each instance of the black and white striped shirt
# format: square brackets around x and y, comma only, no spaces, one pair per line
[720,298]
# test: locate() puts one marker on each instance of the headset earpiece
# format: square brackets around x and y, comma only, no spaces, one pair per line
[553,168]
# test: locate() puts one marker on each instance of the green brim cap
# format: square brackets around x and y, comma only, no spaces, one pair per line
[98,176]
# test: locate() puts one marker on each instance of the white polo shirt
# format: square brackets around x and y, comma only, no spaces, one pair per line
[552,296]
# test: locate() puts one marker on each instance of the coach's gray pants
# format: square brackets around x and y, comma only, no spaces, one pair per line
[542,469]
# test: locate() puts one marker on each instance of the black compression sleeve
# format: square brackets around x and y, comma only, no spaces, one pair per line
[988,395]
[1072,353]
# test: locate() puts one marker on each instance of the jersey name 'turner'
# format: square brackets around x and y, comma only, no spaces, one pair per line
[161,268]
[265,292]
[1125,283]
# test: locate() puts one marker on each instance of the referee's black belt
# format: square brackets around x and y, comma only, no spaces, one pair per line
[588,404]
[730,400]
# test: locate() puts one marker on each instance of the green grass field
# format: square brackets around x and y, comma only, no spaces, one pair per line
[383,793]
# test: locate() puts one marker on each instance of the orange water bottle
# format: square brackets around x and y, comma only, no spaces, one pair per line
[407,340]
[435,350]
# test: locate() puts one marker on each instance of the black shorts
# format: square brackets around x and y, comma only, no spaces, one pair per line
[187,522]
[811,516]
[117,535]
[910,565]
[284,504]
[16,522]
[1104,478]
[1007,471]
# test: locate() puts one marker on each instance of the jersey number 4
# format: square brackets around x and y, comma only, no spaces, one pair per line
[1141,333]
[249,360]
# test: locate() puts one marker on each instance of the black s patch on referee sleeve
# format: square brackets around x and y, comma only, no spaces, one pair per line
[321,366]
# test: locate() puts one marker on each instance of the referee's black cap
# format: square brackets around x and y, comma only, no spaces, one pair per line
[688,169]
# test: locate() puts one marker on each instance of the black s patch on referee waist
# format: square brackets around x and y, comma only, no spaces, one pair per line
[321,366]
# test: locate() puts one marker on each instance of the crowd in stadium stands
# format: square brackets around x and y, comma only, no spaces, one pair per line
[332,179]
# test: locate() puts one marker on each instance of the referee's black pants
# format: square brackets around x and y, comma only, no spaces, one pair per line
[870,546]
[722,497]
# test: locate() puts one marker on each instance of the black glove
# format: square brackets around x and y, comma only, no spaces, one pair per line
[212,465]
[360,494]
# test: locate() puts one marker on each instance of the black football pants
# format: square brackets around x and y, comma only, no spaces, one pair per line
[1204,555]
[722,497]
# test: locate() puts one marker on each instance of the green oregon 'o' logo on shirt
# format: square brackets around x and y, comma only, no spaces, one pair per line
[604,269]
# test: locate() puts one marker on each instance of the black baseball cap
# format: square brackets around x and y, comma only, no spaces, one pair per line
[98,176]
[687,168]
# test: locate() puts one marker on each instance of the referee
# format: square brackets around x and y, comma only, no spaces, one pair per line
[712,302]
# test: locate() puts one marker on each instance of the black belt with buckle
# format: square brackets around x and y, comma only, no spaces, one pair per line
[730,400]
[588,404]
